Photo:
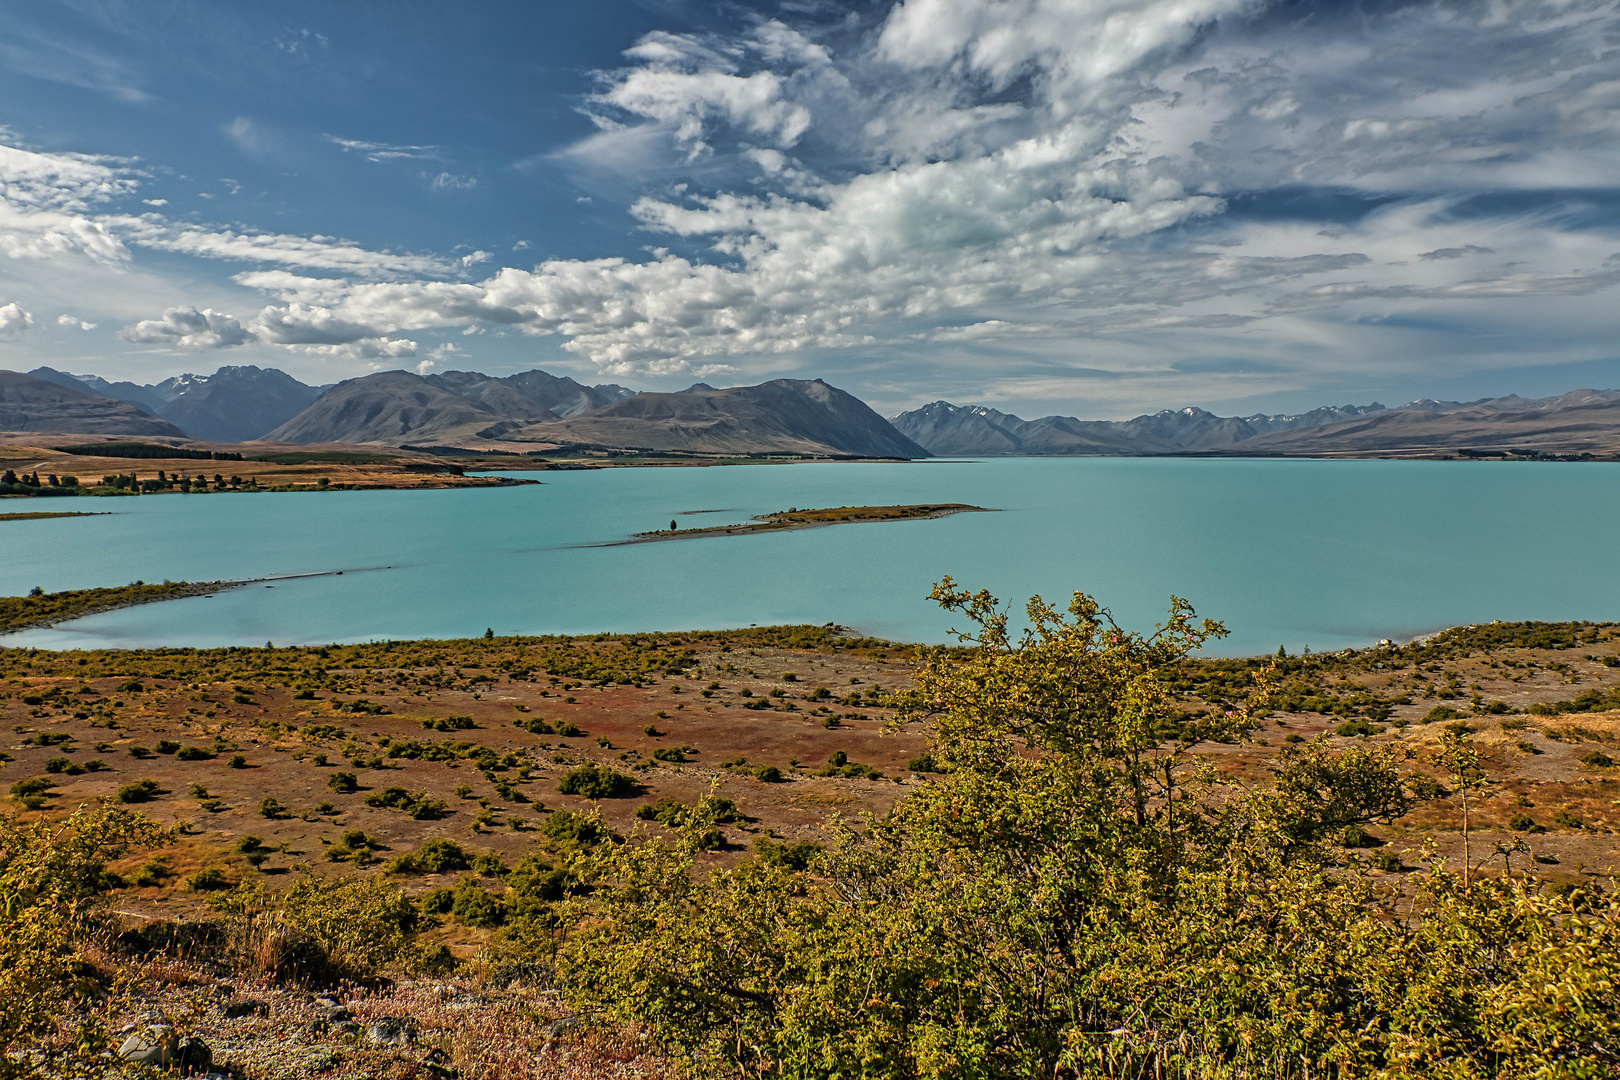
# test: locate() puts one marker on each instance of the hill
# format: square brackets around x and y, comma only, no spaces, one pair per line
[390,407]
[28,403]
[790,416]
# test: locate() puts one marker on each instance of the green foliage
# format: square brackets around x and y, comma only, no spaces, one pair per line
[592,781]
[569,829]
[344,783]
[52,876]
[1078,896]
[436,856]
[421,806]
[140,791]
[1597,759]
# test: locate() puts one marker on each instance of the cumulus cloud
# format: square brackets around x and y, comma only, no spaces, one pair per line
[14,320]
[188,328]
[70,322]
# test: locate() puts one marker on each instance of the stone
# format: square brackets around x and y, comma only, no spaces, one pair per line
[388,1031]
[247,1007]
[155,1046]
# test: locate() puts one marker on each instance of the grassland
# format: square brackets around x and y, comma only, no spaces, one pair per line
[277,765]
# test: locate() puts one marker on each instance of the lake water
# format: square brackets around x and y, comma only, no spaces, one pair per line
[1318,553]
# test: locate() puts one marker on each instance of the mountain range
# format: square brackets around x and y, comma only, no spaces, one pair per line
[539,412]
[1582,421]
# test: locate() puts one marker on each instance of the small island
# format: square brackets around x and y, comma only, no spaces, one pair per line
[794,518]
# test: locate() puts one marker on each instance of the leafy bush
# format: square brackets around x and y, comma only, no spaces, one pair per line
[592,781]
[1354,727]
[575,830]
[436,856]
[271,807]
[1074,897]
[1520,821]
[208,879]
[768,774]
[52,877]
[797,856]
[140,791]
[344,783]
[193,753]
[167,746]
[473,905]
[420,806]
[1597,759]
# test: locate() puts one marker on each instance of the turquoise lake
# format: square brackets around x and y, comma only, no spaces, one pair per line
[1320,553]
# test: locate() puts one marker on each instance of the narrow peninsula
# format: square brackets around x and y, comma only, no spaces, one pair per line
[794,518]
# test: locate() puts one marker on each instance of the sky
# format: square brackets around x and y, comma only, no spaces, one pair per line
[1090,207]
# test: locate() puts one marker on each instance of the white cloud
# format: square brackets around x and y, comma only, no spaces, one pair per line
[14,320]
[70,322]
[379,151]
[46,200]
[188,328]
[447,181]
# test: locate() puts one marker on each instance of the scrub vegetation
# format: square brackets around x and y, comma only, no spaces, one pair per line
[788,851]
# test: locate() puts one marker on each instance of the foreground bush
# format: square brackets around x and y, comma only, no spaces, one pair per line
[51,880]
[1076,896]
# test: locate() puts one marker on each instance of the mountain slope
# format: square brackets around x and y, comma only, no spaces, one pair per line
[978,431]
[1582,421]
[28,403]
[143,397]
[562,395]
[498,395]
[236,404]
[781,416]
[389,407]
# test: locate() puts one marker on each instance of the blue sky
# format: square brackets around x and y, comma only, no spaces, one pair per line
[1096,207]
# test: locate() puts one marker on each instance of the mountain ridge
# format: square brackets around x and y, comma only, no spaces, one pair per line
[1580,421]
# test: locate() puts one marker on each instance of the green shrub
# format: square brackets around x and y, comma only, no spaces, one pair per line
[575,830]
[192,753]
[344,783]
[167,746]
[436,856]
[489,864]
[208,879]
[271,807]
[473,905]
[592,781]
[1440,713]
[1597,759]
[140,791]
[237,761]
[1521,822]
[797,856]
[1354,727]
[768,774]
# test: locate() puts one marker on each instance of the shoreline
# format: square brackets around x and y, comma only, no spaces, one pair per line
[116,598]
